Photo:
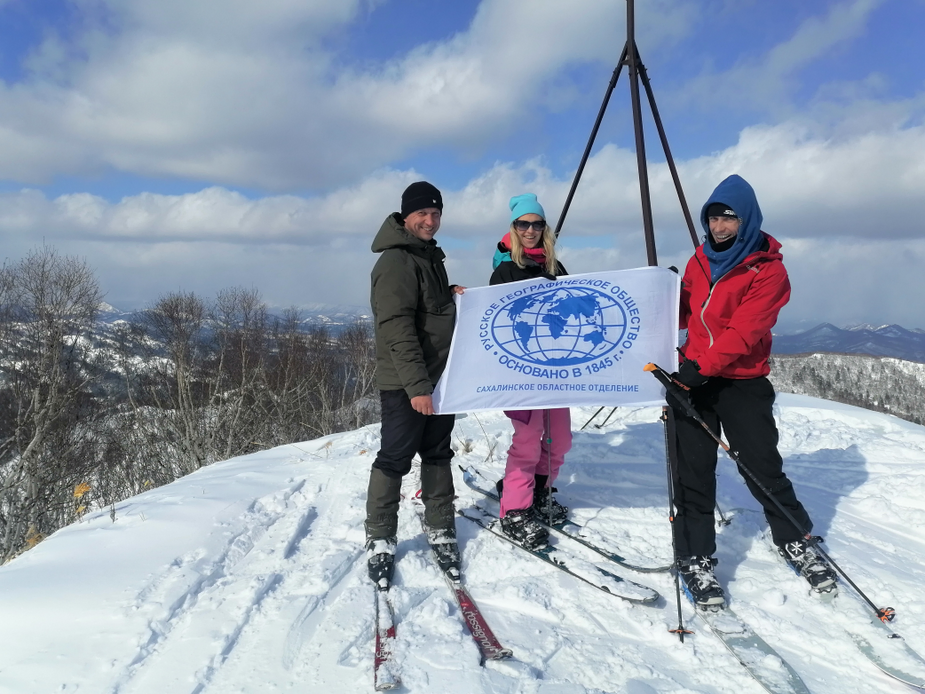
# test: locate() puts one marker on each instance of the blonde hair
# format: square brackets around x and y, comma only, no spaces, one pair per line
[549,249]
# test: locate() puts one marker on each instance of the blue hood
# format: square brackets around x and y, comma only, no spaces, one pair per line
[739,195]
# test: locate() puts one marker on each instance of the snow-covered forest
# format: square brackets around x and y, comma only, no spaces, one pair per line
[92,413]
[881,384]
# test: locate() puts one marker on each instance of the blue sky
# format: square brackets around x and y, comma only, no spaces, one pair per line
[204,144]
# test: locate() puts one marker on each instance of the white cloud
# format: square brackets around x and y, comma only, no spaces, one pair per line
[847,208]
[227,22]
[872,281]
[210,215]
[245,93]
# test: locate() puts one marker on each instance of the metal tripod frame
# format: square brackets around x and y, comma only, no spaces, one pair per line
[633,62]
[631,59]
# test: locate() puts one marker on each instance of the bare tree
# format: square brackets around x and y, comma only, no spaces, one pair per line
[357,349]
[238,391]
[48,308]
[204,384]
[288,379]
[320,383]
[175,391]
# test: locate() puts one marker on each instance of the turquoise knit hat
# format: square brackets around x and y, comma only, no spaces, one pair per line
[525,204]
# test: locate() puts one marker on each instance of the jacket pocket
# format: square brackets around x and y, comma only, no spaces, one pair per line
[436,296]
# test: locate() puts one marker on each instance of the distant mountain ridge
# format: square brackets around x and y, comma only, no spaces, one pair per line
[331,316]
[884,341]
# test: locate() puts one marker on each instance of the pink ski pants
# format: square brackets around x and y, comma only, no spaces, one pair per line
[530,455]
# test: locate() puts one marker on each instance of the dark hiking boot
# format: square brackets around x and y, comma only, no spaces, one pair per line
[698,581]
[380,560]
[522,527]
[446,550]
[806,562]
[438,493]
[382,498]
[546,508]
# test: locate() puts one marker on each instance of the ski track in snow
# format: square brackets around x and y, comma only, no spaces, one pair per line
[249,576]
[198,599]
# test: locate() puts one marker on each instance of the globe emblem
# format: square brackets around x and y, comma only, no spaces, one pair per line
[560,327]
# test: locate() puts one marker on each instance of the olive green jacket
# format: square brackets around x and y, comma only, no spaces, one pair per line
[413,310]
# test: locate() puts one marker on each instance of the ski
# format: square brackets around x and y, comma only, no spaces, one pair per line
[569,562]
[488,644]
[763,663]
[568,528]
[384,670]
[892,655]
[883,647]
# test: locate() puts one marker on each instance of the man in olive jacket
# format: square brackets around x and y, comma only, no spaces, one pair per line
[414,315]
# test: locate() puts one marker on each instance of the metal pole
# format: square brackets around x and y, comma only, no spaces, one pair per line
[594,130]
[668,424]
[685,210]
[633,56]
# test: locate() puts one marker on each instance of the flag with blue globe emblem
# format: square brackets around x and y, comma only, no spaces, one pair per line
[560,326]
[578,340]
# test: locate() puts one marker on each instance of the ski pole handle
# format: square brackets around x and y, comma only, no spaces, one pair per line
[676,388]
[664,377]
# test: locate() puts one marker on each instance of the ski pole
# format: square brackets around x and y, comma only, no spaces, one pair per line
[680,393]
[680,631]
[547,437]
[722,519]
[592,417]
[606,419]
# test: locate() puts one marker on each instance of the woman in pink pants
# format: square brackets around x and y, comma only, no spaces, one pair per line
[541,437]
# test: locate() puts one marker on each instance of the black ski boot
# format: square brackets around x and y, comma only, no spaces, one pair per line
[541,505]
[546,508]
[805,561]
[523,528]
[446,550]
[700,584]
[380,560]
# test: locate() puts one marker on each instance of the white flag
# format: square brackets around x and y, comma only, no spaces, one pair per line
[578,340]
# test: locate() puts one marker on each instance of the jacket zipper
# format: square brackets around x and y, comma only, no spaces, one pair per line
[705,305]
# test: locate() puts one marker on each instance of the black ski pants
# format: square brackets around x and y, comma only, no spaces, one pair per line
[740,409]
[406,432]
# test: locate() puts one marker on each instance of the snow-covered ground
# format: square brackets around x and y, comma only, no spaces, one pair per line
[249,576]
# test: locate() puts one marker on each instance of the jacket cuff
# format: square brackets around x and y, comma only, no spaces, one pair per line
[415,391]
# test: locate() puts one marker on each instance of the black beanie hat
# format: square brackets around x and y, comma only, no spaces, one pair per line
[720,209]
[418,196]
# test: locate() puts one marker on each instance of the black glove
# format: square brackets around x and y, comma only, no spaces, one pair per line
[679,399]
[689,374]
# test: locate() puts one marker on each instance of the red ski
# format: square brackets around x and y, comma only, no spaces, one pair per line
[384,671]
[487,642]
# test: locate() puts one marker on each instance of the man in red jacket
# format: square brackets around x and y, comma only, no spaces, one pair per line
[733,289]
